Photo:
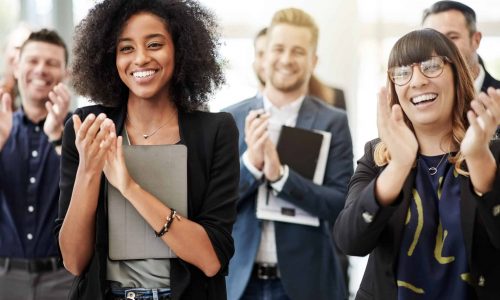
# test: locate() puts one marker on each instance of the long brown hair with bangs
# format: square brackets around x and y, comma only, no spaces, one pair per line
[418,46]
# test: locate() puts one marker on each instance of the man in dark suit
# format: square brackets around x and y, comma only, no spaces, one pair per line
[280,259]
[458,22]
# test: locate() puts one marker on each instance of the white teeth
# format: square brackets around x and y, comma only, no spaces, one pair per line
[143,74]
[422,98]
[39,82]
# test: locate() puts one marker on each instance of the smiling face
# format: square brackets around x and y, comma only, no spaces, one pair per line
[452,23]
[428,102]
[145,56]
[41,66]
[290,58]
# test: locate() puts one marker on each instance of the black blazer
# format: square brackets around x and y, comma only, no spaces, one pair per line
[213,176]
[488,79]
[364,227]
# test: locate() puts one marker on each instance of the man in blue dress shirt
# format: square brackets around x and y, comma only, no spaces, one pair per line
[30,145]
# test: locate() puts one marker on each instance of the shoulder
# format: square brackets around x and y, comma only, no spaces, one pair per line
[489,81]
[95,109]
[369,150]
[325,109]
[209,118]
[209,124]
[242,105]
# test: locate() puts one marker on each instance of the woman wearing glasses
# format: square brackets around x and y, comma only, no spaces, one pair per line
[425,198]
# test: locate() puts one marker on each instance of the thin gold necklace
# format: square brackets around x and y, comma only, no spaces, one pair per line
[146,135]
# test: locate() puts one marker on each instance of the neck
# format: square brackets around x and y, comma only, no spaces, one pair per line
[475,71]
[432,142]
[146,115]
[280,98]
[35,113]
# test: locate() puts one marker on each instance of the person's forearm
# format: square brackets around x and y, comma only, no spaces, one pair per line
[77,235]
[187,239]
[390,183]
[482,170]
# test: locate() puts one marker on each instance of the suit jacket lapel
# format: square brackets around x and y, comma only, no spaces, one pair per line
[400,214]
[468,216]
[307,114]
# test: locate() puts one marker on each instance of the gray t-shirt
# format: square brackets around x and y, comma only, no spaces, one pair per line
[145,273]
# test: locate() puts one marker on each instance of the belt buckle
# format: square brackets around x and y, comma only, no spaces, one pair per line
[267,271]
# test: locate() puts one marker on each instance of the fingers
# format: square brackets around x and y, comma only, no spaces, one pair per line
[252,115]
[93,128]
[6,103]
[492,103]
[487,109]
[104,130]
[383,105]
[397,113]
[77,123]
[473,123]
[60,98]
[260,128]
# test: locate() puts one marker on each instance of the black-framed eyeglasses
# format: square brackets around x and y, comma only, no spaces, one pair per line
[430,68]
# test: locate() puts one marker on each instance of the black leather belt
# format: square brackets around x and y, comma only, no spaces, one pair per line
[37,265]
[266,271]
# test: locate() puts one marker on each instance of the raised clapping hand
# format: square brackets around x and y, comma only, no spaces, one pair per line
[57,109]
[393,131]
[115,168]
[483,119]
[402,146]
[5,117]
[93,139]
[256,135]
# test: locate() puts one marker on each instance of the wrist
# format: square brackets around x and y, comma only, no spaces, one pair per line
[280,175]
[129,188]
[258,165]
[55,136]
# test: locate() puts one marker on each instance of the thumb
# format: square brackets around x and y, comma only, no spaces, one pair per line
[397,113]
[48,106]
[6,103]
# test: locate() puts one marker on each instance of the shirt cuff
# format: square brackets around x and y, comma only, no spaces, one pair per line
[278,185]
[253,170]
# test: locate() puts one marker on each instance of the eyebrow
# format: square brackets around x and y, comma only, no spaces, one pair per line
[147,37]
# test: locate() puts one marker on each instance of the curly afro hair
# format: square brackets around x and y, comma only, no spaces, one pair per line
[197,70]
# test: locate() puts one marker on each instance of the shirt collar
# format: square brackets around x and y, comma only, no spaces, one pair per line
[291,108]
[25,118]
[478,83]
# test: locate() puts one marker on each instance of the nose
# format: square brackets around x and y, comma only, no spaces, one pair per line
[286,57]
[141,57]
[40,68]
[418,79]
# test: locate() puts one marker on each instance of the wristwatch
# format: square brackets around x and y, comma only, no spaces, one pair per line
[57,142]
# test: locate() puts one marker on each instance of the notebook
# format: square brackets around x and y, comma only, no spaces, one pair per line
[306,152]
[162,171]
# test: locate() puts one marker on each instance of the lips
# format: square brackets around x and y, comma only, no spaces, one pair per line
[424,98]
